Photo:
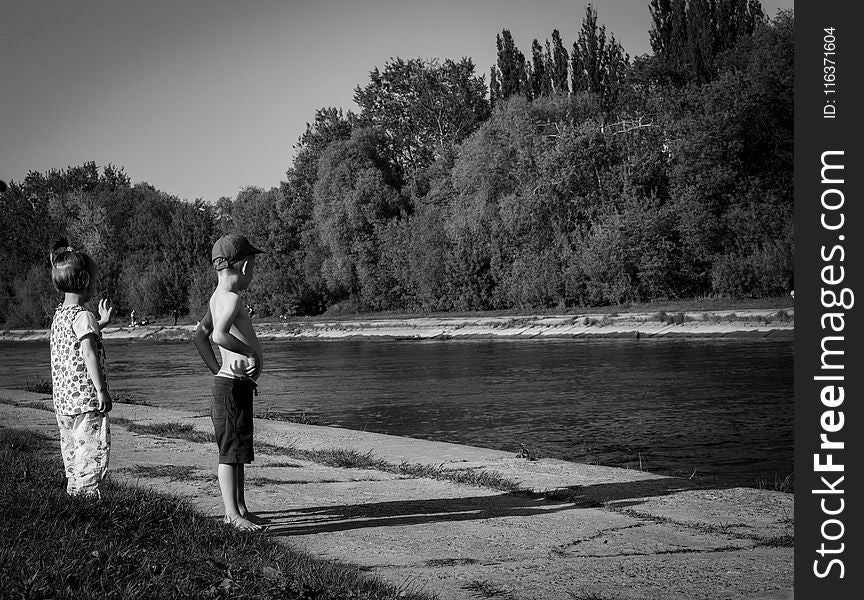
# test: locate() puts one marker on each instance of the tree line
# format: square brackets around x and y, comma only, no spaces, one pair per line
[576,177]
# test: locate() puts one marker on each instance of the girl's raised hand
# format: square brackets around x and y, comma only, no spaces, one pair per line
[106,311]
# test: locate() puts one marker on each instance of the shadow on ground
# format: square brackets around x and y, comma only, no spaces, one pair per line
[328,519]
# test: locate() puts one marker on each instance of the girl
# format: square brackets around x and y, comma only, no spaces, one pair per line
[81,398]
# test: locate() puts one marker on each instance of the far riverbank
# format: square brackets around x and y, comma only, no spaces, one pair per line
[772,322]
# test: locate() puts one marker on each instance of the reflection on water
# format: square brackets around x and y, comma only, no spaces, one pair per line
[721,408]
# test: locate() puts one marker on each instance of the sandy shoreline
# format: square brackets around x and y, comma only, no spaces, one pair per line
[777,322]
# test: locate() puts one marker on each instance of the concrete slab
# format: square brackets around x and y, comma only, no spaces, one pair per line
[610,533]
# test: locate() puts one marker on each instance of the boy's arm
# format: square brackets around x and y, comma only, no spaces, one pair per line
[226,307]
[201,339]
[91,360]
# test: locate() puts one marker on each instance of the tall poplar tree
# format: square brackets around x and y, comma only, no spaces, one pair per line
[538,70]
[687,36]
[597,64]
[701,26]
[560,64]
[512,69]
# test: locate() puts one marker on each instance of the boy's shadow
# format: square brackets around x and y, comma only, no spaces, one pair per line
[328,519]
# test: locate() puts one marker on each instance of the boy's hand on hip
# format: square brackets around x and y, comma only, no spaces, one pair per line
[238,366]
[255,365]
[252,367]
[105,404]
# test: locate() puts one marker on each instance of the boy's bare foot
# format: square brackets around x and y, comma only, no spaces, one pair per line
[242,523]
[250,516]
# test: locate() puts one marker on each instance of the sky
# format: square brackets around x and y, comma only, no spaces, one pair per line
[201,98]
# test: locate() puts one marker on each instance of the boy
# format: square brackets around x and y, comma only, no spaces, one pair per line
[228,322]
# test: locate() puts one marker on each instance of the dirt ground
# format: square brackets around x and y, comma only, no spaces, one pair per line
[604,534]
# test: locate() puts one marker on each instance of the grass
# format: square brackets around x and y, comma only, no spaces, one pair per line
[351,459]
[136,543]
[592,321]
[171,472]
[785,485]
[780,316]
[301,417]
[486,589]
[679,318]
[451,562]
[126,398]
[45,405]
[786,540]
[48,405]
[45,386]
[181,431]
[676,319]
[513,323]
[290,465]
[475,477]
[38,386]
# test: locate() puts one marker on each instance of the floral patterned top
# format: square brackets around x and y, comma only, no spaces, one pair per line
[74,392]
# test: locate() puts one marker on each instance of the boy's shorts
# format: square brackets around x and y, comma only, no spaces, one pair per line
[231,412]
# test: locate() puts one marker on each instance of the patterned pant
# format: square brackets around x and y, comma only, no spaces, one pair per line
[85,442]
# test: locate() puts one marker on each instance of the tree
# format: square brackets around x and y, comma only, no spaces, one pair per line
[669,38]
[494,86]
[539,78]
[688,37]
[597,65]
[701,43]
[511,69]
[560,64]
[422,108]
[262,216]
[352,196]
[328,126]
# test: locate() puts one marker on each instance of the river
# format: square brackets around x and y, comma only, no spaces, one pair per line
[719,410]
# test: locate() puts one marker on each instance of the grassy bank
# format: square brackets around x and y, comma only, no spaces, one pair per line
[136,543]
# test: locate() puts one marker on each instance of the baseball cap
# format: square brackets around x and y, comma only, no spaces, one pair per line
[230,249]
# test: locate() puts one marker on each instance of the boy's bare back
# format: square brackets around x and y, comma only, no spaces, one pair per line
[231,317]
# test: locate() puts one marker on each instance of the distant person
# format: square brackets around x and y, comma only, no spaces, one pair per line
[81,398]
[227,321]
[176,315]
[132,316]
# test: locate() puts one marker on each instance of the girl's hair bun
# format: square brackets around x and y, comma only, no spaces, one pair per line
[61,247]
[71,270]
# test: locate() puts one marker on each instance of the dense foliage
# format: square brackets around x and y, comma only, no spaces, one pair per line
[577,178]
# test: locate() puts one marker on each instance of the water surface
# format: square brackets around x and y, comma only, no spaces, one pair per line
[719,410]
